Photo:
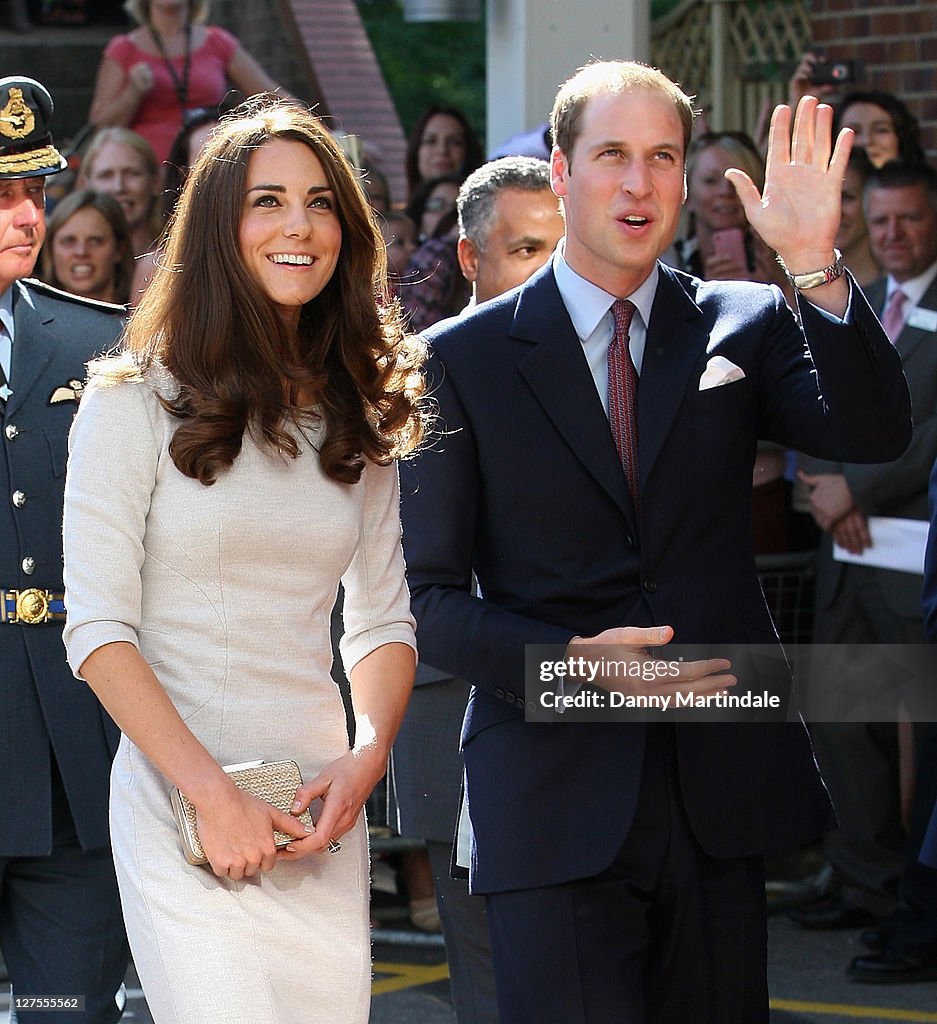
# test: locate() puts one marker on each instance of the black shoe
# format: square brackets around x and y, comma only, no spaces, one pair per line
[832,913]
[891,968]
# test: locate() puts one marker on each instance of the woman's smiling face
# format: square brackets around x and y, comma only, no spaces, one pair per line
[290,234]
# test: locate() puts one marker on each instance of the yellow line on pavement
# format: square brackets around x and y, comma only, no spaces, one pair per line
[408,976]
[398,976]
[854,1012]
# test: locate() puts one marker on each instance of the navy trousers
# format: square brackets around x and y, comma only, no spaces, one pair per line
[61,928]
[665,935]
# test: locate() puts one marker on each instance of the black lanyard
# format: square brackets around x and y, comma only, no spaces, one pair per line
[182,87]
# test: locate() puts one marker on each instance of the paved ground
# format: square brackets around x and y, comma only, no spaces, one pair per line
[807,983]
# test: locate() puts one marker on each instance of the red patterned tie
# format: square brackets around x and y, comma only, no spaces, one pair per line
[623,394]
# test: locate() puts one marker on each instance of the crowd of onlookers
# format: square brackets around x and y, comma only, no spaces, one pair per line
[163,86]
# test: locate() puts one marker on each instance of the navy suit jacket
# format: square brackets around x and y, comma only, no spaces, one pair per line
[523,487]
[929,601]
[42,707]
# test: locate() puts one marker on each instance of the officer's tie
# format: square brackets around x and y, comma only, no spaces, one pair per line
[5,390]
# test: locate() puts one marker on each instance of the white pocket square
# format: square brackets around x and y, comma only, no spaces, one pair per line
[719,371]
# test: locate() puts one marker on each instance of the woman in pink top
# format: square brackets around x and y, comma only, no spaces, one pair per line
[171,63]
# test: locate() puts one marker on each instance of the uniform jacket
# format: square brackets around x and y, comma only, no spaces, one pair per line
[42,706]
[524,487]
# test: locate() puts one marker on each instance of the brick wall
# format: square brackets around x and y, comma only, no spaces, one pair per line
[897,39]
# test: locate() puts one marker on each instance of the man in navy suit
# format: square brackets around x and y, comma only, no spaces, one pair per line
[865,603]
[622,862]
[509,225]
[61,930]
[904,947]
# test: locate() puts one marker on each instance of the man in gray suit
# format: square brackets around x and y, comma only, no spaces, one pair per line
[61,931]
[863,604]
[509,224]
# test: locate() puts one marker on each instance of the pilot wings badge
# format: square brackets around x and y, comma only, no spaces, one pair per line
[68,393]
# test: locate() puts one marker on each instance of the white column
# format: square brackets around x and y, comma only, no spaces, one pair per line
[535,45]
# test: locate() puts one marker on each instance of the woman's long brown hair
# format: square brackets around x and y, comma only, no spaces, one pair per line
[238,365]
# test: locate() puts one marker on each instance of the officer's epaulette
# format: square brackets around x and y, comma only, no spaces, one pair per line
[80,300]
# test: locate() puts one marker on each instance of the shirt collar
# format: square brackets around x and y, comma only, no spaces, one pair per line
[914,288]
[587,303]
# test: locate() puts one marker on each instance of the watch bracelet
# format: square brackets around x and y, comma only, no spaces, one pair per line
[815,278]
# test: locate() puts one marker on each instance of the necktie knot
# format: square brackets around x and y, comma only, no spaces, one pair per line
[623,311]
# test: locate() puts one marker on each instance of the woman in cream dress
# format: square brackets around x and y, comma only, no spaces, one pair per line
[226,472]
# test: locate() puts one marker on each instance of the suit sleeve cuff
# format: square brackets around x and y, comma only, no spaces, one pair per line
[846,319]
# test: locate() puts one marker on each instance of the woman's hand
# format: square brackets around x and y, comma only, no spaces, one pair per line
[140,77]
[342,787]
[800,84]
[236,830]
[721,267]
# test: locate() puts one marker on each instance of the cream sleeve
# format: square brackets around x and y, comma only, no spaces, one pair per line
[377,601]
[114,452]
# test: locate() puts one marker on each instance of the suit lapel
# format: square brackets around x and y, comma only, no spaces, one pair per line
[555,369]
[676,338]
[33,347]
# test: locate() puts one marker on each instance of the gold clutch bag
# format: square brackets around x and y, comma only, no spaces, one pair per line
[275,782]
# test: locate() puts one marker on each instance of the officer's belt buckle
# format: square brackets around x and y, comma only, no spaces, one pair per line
[31,608]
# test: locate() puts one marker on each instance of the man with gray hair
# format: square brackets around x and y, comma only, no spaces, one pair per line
[509,224]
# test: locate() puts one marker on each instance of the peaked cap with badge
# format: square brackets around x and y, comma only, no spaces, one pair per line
[26,148]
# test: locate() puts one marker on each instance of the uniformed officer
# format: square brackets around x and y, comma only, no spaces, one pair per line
[61,931]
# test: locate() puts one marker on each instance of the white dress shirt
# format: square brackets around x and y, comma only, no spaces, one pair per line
[590,309]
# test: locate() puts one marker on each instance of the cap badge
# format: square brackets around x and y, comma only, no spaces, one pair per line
[16,119]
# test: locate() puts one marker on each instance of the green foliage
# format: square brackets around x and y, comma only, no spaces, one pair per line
[661,7]
[428,62]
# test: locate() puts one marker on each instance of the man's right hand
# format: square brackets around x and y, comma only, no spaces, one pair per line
[632,644]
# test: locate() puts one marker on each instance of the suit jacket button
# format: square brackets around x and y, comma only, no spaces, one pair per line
[11,430]
[29,565]
[650,586]
[499,693]
[19,499]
